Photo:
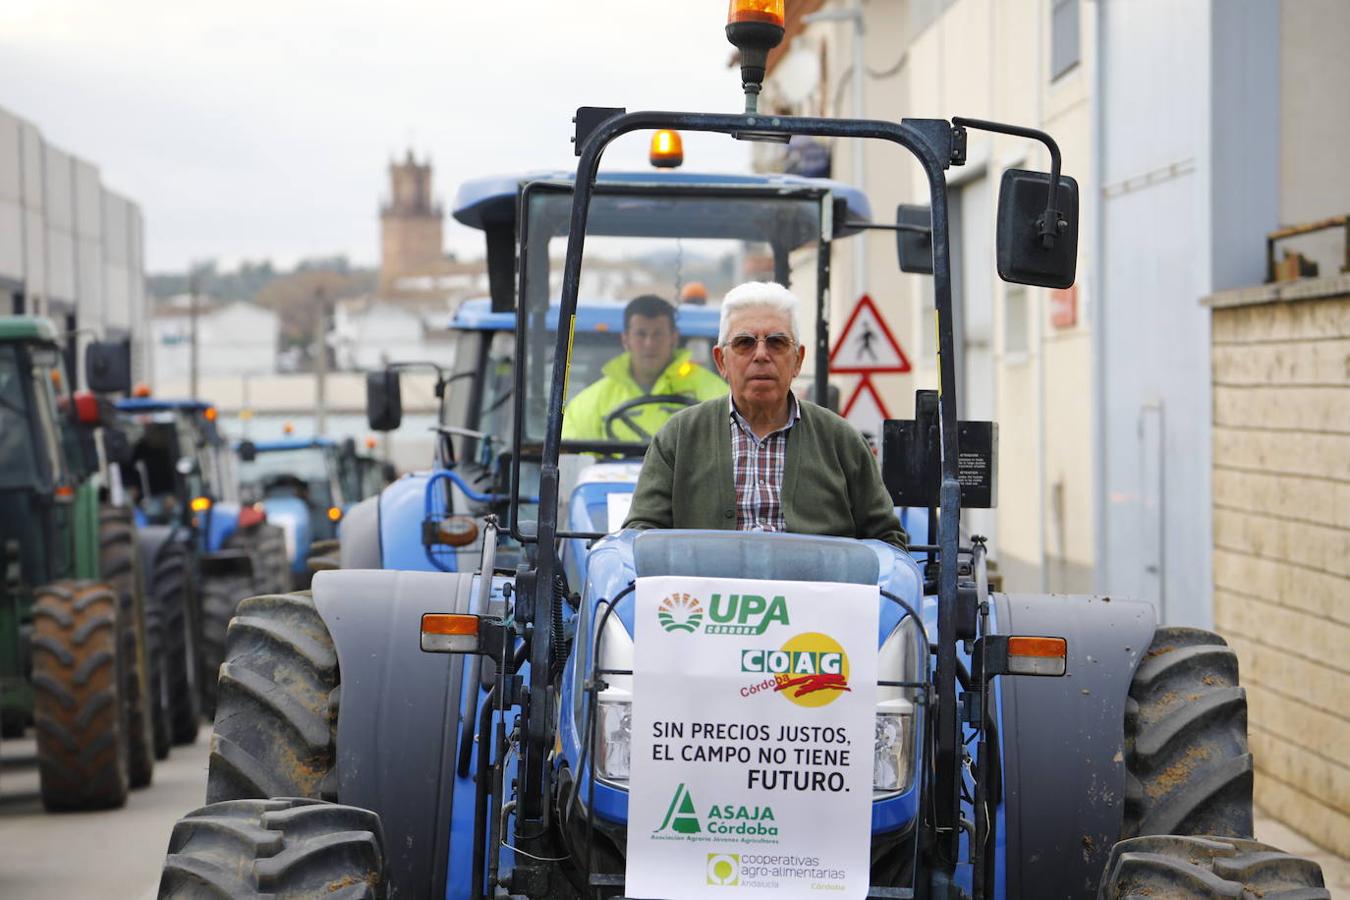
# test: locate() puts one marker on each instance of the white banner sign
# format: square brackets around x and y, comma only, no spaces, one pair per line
[753,727]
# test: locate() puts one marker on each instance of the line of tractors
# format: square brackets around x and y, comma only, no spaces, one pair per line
[125,548]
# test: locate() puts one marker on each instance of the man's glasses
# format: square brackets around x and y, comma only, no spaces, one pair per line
[777,343]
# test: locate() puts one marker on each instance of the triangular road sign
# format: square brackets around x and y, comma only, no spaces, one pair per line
[866,344]
[865,409]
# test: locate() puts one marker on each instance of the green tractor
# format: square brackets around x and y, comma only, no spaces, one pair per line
[74,643]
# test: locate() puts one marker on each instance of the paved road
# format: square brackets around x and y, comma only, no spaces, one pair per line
[115,854]
[118,854]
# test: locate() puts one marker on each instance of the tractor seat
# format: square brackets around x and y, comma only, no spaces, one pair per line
[759,555]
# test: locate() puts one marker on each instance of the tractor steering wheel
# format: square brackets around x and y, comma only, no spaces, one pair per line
[622,412]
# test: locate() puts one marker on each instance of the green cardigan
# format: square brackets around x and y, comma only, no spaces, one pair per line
[831,482]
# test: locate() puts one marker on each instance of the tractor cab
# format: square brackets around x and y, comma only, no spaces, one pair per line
[45,456]
[179,470]
[299,482]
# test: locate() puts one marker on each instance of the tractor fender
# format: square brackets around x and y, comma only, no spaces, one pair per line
[359,536]
[1064,738]
[221,522]
[399,715]
[402,510]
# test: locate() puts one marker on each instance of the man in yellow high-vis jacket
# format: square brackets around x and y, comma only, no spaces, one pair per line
[643,386]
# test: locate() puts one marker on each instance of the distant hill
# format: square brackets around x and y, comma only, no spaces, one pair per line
[250,279]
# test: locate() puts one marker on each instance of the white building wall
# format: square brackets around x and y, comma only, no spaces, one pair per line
[367,337]
[68,246]
[239,339]
[11,205]
[1188,191]
[59,207]
[34,216]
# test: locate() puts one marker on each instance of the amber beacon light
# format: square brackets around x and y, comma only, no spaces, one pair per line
[667,150]
[755,27]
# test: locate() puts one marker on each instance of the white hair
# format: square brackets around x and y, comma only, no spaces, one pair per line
[758,295]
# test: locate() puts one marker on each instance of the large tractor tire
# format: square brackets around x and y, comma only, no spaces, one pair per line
[1200,868]
[77,704]
[118,567]
[1188,771]
[276,722]
[171,595]
[324,556]
[160,730]
[266,544]
[221,595]
[284,849]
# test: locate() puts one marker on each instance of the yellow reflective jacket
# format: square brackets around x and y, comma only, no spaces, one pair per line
[584,416]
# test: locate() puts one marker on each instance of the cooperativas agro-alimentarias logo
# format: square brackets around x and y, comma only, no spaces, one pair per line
[726,613]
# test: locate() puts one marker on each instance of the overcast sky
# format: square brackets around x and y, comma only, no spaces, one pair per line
[257,129]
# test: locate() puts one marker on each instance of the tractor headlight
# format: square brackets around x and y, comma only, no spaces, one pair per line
[896,721]
[613,739]
[893,752]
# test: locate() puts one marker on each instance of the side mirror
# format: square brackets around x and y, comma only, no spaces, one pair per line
[1030,249]
[914,238]
[107,367]
[248,451]
[384,403]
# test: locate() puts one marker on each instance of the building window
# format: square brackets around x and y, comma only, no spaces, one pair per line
[1065,49]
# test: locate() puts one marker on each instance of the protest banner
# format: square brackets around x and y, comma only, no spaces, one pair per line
[753,721]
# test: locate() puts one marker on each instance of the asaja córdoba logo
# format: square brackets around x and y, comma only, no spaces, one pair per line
[680,612]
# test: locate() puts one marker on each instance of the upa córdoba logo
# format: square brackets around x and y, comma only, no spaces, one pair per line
[680,612]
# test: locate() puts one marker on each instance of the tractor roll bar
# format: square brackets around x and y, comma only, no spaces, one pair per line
[931,142]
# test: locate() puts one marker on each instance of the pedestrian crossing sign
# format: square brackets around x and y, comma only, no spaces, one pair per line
[866,344]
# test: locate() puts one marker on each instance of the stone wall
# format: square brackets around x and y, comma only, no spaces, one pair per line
[1281,486]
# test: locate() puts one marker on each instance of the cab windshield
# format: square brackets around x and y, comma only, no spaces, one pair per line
[645,239]
[303,471]
[18,462]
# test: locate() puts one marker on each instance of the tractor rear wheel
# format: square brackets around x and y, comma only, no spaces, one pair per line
[77,704]
[171,595]
[283,849]
[118,567]
[1208,867]
[276,721]
[160,730]
[221,595]
[1188,770]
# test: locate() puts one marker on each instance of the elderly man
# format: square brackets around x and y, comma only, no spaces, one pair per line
[651,365]
[764,461]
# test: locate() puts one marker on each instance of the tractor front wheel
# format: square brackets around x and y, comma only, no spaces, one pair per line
[77,704]
[1188,770]
[221,595]
[1200,868]
[276,727]
[286,849]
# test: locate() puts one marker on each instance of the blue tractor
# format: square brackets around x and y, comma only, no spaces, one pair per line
[305,485]
[1025,746]
[203,549]
[472,469]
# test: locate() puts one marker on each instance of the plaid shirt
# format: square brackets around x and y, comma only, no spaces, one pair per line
[757,471]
